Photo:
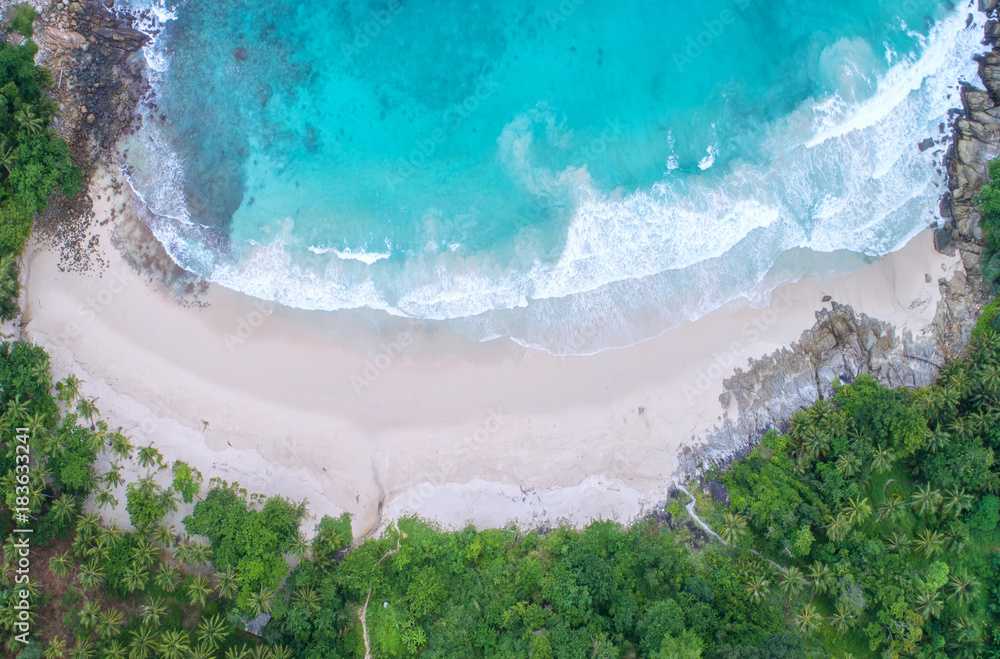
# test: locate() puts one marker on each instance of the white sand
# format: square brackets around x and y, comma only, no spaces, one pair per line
[501,437]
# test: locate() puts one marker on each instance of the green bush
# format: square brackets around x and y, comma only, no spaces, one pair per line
[34,163]
[986,514]
[24,17]
[119,561]
[187,481]
[146,504]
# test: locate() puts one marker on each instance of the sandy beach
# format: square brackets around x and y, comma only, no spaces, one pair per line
[255,394]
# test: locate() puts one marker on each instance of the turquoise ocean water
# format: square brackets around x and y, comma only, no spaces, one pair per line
[530,168]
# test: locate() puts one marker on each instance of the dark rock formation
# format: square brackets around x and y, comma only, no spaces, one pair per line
[843,344]
[99,81]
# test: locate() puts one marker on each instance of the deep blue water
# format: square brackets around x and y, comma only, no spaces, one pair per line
[521,168]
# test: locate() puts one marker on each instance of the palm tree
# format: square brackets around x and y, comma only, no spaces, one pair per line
[961,428]
[18,408]
[145,552]
[848,465]
[164,534]
[260,602]
[842,618]
[183,551]
[149,456]
[174,645]
[144,643]
[35,423]
[63,509]
[240,652]
[135,578]
[229,583]
[281,652]
[152,611]
[928,605]
[963,587]
[199,589]
[300,547]
[84,649]
[939,440]
[169,500]
[837,528]
[792,582]
[121,447]
[202,651]
[857,510]
[816,443]
[111,620]
[897,543]
[956,500]
[309,598]
[87,408]
[168,576]
[60,563]
[96,441]
[56,649]
[212,631]
[808,620]
[90,614]
[822,577]
[7,161]
[29,121]
[929,543]
[105,499]
[957,536]
[90,576]
[926,499]
[69,388]
[733,525]
[88,524]
[200,554]
[113,476]
[890,509]
[114,650]
[882,460]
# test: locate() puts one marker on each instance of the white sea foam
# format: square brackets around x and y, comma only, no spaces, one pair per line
[709,159]
[841,176]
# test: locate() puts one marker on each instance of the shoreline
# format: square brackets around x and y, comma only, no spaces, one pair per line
[259,394]
[512,436]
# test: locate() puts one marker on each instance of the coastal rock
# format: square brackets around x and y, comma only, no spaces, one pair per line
[843,344]
[98,82]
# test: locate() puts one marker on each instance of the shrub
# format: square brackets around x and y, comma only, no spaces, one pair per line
[24,17]
[986,515]
[187,481]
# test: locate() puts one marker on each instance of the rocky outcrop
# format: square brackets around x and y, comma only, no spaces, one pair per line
[98,79]
[843,344]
